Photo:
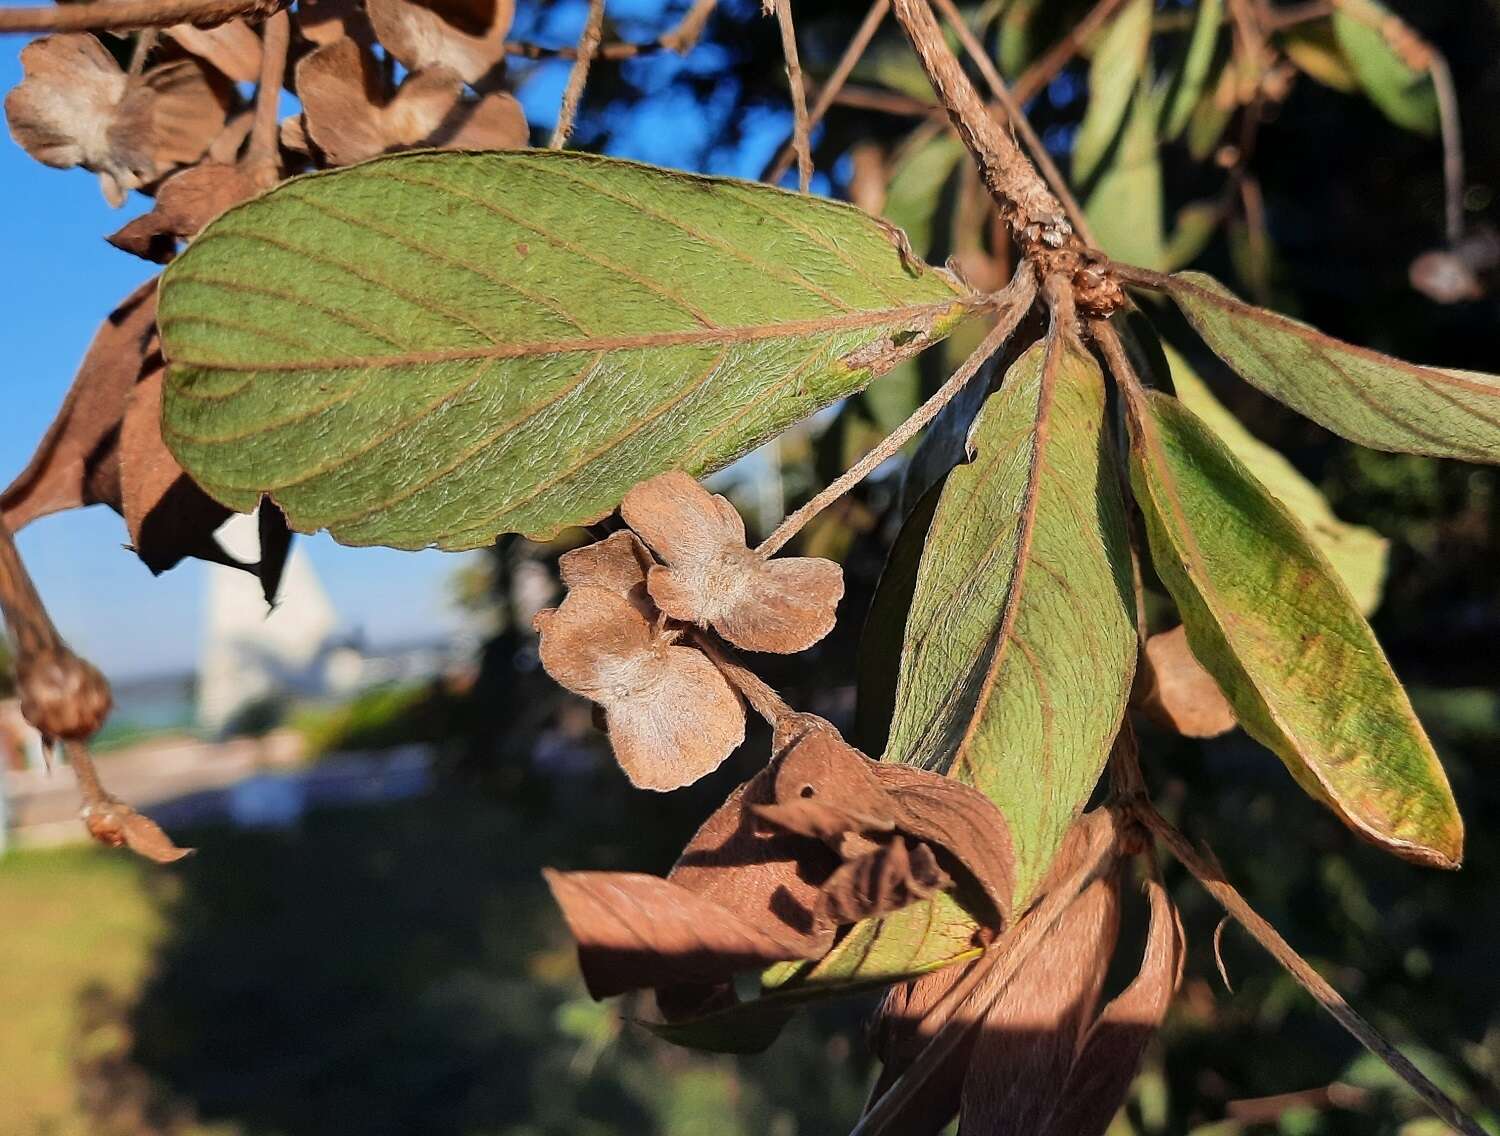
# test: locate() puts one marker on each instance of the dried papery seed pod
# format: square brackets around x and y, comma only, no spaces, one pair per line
[618,563]
[712,579]
[466,37]
[348,118]
[185,202]
[673,717]
[1175,691]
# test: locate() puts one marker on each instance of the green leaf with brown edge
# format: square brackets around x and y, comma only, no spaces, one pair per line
[1114,71]
[1404,95]
[1269,618]
[1020,645]
[1373,399]
[434,348]
[1358,554]
[914,941]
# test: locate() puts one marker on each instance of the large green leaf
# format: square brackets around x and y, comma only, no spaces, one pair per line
[1269,618]
[435,348]
[1367,397]
[1358,554]
[1020,644]
[1405,95]
[915,191]
[1114,71]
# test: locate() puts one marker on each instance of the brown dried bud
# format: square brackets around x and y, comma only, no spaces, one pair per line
[115,824]
[1175,691]
[61,695]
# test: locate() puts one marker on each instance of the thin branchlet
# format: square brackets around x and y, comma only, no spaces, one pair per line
[802,128]
[124,15]
[578,77]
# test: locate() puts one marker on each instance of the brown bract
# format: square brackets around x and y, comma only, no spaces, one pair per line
[467,37]
[105,447]
[712,579]
[1039,1057]
[185,202]
[618,563]
[672,716]
[232,48]
[1175,691]
[328,21]
[76,107]
[348,118]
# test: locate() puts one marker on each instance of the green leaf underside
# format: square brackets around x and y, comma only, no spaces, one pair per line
[434,348]
[1125,207]
[1405,96]
[1269,618]
[1358,554]
[914,195]
[1369,398]
[1020,645]
[1113,73]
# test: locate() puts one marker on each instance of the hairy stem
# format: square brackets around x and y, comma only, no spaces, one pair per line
[263,154]
[761,696]
[1208,873]
[1016,116]
[829,92]
[1014,302]
[1030,209]
[578,77]
[802,130]
[124,15]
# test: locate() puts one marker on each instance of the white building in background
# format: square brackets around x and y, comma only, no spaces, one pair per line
[251,653]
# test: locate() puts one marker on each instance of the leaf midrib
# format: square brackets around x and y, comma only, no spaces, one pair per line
[689,337]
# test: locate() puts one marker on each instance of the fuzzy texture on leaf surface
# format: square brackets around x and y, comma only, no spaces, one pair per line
[1269,618]
[712,579]
[426,349]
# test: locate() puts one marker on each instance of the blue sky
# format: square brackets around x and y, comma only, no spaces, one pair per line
[65,279]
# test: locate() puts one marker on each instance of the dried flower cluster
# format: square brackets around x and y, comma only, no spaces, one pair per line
[631,632]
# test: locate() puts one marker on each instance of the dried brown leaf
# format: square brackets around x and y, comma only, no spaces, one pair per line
[673,717]
[1025,1046]
[83,436]
[187,112]
[1177,693]
[1111,1053]
[232,48]
[712,579]
[893,876]
[637,931]
[465,36]
[185,202]
[322,22]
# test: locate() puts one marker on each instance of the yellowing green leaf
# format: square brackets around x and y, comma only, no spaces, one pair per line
[1268,617]
[1358,554]
[1020,644]
[437,348]
[1405,95]
[1114,71]
[1316,53]
[1367,397]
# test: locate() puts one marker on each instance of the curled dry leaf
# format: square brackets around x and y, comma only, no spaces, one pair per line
[185,202]
[348,118]
[745,892]
[466,37]
[1041,1058]
[672,716]
[116,824]
[76,107]
[105,447]
[712,579]
[322,22]
[1175,691]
